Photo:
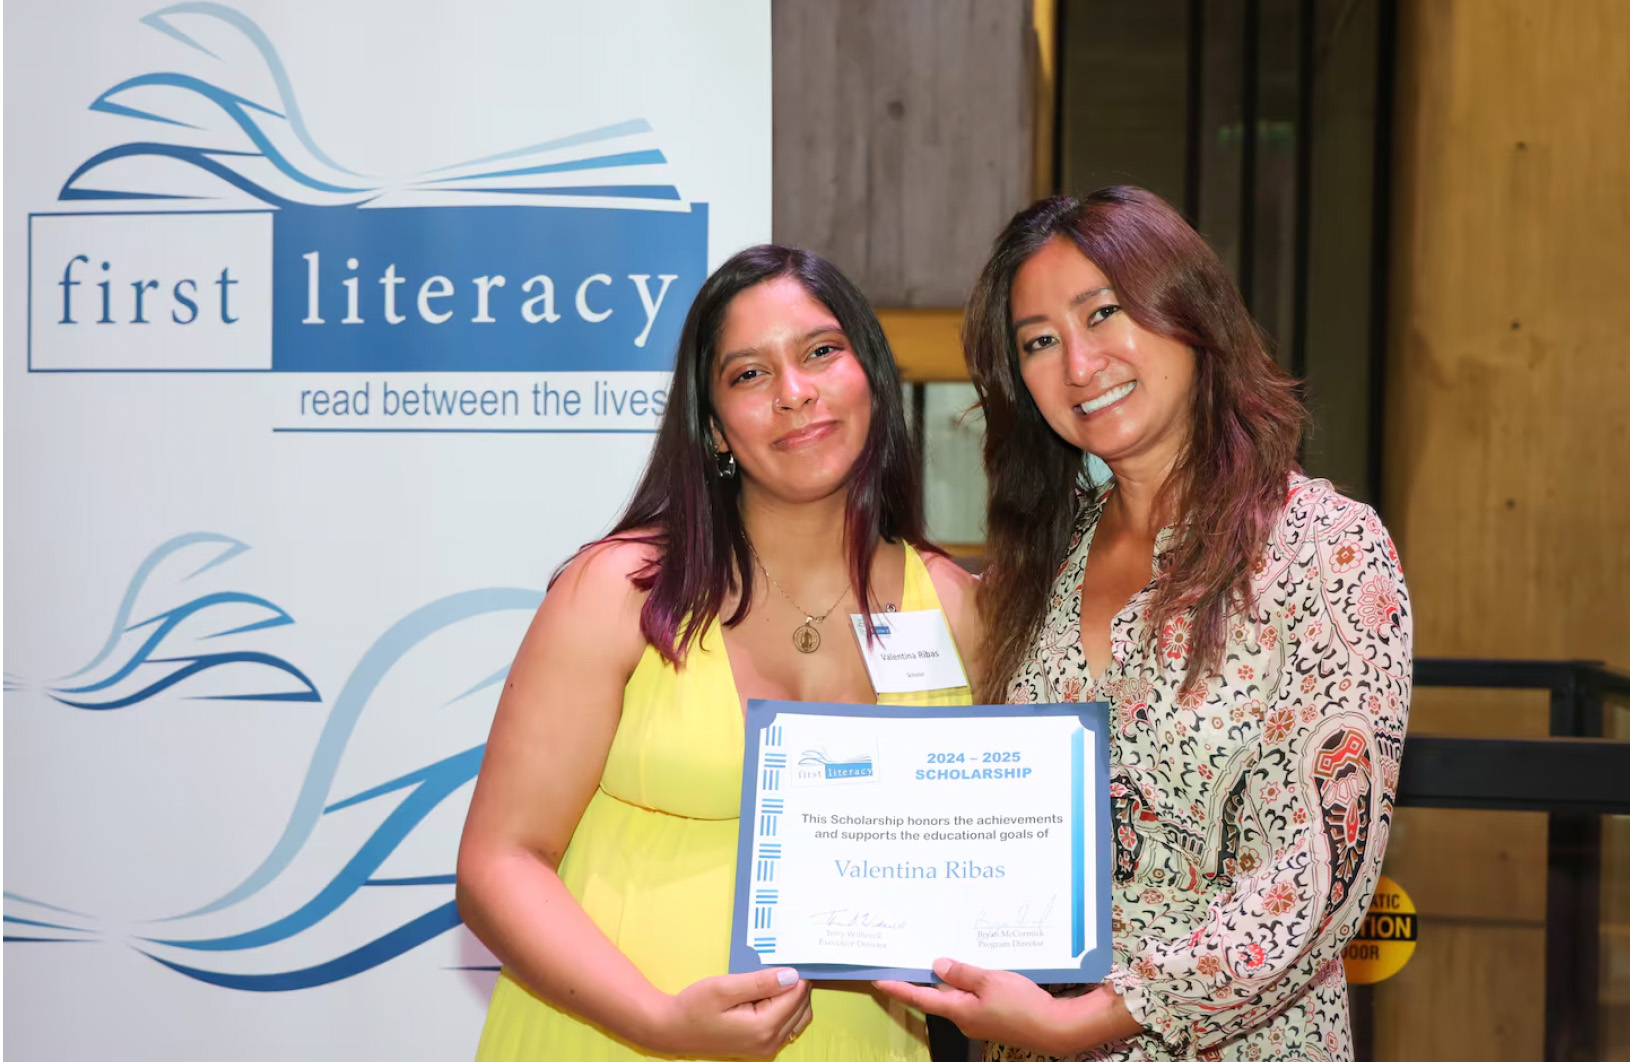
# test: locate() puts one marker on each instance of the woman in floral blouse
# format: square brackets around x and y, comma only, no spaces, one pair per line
[1248,626]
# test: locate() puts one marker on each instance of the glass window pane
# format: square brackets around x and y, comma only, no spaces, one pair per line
[1221,129]
[1274,284]
[953,472]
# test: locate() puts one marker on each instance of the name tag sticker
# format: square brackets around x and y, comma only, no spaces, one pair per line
[913,652]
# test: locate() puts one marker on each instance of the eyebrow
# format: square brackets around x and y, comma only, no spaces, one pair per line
[747,352]
[1085,296]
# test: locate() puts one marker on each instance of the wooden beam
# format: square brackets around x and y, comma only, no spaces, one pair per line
[1044,37]
[927,343]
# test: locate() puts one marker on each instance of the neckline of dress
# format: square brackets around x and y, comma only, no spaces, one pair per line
[1095,497]
[716,628]
[1090,517]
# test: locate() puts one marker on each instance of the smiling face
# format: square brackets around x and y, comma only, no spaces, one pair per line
[1103,382]
[790,396]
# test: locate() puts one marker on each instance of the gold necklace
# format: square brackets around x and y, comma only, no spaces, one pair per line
[805,639]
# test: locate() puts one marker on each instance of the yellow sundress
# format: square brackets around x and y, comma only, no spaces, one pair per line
[653,862]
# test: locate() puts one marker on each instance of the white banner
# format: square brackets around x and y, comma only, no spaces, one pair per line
[252,654]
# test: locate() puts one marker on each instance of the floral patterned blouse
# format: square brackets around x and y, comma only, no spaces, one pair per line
[1250,815]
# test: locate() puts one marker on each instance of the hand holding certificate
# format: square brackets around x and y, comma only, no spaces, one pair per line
[875,839]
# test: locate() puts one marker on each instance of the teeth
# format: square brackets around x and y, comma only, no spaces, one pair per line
[1108,398]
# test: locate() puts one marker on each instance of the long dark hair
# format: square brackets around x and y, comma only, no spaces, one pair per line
[689,512]
[1230,483]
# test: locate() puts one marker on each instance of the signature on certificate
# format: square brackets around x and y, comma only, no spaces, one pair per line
[1024,918]
[843,917]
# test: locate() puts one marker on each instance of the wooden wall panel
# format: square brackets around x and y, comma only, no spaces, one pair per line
[1508,406]
[1457,1000]
[903,137]
[1507,425]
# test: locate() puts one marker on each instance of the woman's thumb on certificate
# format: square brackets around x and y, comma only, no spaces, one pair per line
[959,974]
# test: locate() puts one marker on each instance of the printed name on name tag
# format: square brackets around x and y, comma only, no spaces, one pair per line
[913,651]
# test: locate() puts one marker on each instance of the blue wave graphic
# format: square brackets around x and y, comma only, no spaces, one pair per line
[235,107]
[426,789]
[253,675]
[427,926]
[430,787]
[15,920]
[417,794]
[190,666]
[186,667]
[40,931]
[342,719]
[114,678]
[18,897]
[230,547]
[161,21]
[264,149]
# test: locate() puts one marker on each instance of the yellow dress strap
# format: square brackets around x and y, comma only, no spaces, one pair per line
[919,595]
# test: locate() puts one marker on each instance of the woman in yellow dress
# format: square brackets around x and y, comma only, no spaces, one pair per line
[598,859]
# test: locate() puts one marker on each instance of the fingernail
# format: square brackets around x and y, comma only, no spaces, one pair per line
[786,977]
[941,966]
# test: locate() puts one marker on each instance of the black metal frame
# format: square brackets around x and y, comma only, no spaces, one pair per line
[1249,118]
[1564,776]
[1306,38]
[1194,129]
[1575,777]
[1577,687]
[1386,61]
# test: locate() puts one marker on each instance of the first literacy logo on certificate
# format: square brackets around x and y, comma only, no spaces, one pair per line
[817,767]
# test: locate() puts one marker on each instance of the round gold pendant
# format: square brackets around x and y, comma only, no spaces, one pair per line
[806,639]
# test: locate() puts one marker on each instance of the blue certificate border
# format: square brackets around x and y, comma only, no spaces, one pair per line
[1093,715]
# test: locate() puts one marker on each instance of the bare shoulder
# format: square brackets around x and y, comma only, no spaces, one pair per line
[607,568]
[958,591]
[952,582]
[593,605]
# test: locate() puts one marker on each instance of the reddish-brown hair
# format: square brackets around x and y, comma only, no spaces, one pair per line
[1228,488]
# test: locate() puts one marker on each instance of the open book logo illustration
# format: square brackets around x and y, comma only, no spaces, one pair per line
[204,138]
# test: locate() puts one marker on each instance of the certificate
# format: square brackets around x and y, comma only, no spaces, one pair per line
[875,839]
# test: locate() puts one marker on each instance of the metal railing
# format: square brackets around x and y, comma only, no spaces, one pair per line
[1575,776]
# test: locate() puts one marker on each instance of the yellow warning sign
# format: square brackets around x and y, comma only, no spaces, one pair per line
[1385,940]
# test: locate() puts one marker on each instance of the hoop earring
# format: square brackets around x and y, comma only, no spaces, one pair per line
[727,467]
